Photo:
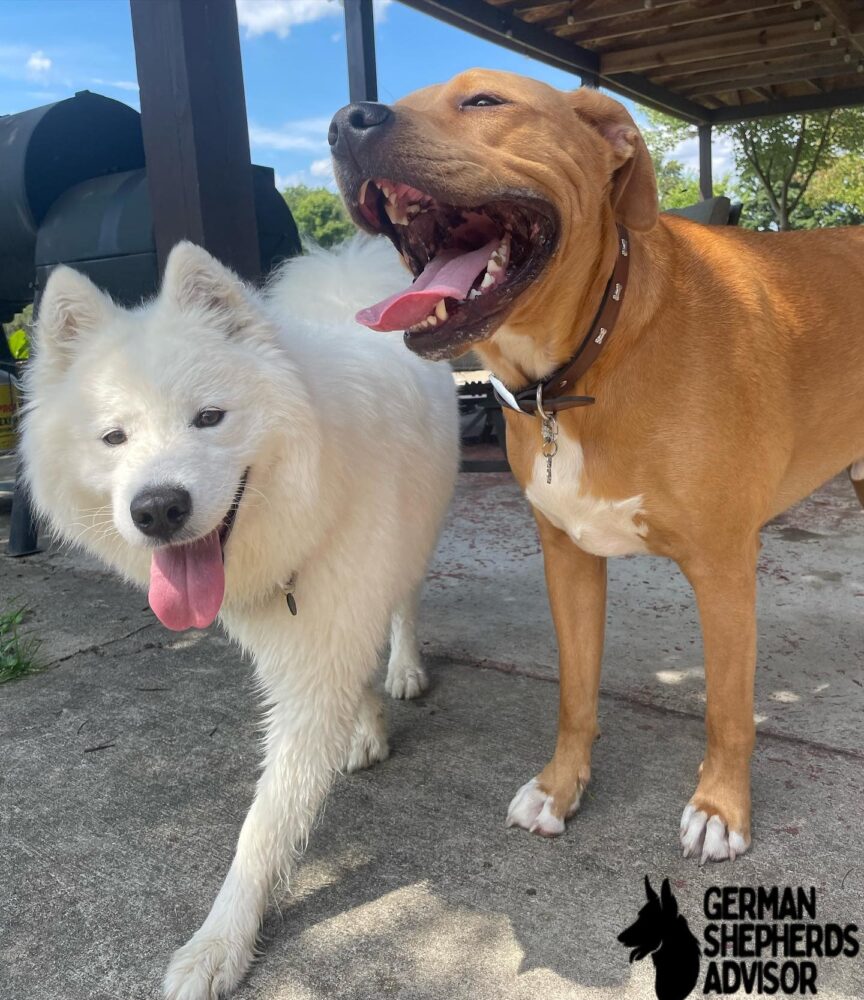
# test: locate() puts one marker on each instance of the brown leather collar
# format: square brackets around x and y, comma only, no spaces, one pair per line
[547,394]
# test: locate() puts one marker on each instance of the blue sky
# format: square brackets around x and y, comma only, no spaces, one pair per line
[293,64]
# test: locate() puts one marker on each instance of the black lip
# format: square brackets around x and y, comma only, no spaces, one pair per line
[231,516]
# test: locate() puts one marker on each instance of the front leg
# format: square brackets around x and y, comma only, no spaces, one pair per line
[576,582]
[309,726]
[716,822]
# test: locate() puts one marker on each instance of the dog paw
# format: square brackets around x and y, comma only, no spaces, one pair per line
[206,968]
[708,838]
[533,810]
[368,744]
[405,680]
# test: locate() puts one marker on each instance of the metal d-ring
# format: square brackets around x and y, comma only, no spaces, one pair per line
[544,416]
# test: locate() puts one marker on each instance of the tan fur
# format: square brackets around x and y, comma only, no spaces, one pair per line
[732,387]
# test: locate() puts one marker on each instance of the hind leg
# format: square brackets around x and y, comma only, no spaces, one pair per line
[406,677]
[369,739]
[857,474]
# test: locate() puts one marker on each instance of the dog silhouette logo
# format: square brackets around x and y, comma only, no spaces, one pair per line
[661,932]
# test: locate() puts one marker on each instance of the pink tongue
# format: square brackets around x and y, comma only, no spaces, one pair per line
[449,275]
[187,583]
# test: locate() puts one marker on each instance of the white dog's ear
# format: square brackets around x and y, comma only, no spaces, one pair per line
[71,307]
[197,283]
[634,186]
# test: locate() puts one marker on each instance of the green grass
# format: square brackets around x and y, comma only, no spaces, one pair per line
[17,648]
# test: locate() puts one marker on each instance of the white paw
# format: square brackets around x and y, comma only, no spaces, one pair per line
[405,680]
[368,743]
[206,968]
[531,809]
[709,839]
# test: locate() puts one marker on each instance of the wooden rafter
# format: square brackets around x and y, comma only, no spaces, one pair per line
[588,31]
[741,77]
[751,40]
[704,60]
[843,20]
[698,32]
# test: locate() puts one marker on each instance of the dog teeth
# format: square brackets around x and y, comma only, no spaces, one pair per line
[441,310]
[475,293]
[361,197]
[487,282]
[427,324]
[394,213]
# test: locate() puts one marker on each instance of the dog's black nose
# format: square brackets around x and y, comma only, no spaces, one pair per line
[160,511]
[353,124]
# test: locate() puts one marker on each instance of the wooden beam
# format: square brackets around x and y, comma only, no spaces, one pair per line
[604,31]
[751,40]
[734,80]
[847,98]
[538,10]
[196,140]
[747,62]
[843,18]
[702,30]
[360,45]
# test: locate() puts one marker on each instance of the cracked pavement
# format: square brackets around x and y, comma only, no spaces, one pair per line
[129,764]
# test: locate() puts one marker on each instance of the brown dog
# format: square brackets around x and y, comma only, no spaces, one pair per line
[731,386]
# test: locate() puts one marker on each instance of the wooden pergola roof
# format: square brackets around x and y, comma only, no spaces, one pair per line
[706,61]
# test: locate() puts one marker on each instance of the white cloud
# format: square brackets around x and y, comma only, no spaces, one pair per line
[309,135]
[117,84]
[722,155]
[259,17]
[38,65]
[322,168]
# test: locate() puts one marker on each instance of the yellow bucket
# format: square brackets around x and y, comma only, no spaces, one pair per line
[8,412]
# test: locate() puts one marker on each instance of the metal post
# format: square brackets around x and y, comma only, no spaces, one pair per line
[706,180]
[196,140]
[360,43]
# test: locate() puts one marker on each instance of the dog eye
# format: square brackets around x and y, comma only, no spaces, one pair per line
[114,437]
[481,101]
[208,417]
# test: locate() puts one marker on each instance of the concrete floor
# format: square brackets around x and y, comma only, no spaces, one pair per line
[128,765]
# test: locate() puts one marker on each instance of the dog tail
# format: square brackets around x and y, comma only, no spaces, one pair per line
[331,286]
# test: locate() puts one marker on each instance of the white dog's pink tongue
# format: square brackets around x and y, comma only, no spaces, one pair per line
[187,583]
[449,275]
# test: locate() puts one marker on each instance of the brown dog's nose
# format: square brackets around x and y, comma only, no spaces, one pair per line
[353,124]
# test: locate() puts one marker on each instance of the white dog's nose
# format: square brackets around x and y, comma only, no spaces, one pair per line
[160,511]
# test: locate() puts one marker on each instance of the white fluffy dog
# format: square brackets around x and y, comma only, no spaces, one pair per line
[251,456]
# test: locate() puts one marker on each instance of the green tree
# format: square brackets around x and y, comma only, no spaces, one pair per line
[319,214]
[779,159]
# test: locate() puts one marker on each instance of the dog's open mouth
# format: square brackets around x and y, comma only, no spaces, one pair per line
[470,264]
[187,582]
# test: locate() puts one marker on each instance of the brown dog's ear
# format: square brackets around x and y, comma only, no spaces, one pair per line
[634,187]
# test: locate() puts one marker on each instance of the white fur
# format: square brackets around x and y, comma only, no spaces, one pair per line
[708,837]
[601,527]
[352,446]
[533,810]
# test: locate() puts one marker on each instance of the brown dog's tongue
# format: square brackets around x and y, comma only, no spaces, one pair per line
[187,583]
[449,275]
